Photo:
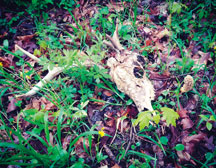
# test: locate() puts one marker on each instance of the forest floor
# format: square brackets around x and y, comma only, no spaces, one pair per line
[92,112]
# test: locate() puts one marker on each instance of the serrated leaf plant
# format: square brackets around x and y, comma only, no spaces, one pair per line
[146,117]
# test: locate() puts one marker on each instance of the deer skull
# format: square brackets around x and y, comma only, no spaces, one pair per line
[123,72]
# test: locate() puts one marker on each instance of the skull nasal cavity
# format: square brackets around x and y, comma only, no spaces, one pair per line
[138,72]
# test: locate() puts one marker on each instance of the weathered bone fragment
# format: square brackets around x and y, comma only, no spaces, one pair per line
[139,89]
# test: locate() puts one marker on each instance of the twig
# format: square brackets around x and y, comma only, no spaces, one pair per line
[130,141]
[109,153]
[117,125]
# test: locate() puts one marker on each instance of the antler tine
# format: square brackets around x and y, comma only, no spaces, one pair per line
[115,39]
[51,74]
[27,53]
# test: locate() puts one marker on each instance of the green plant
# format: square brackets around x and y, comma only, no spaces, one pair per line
[179,147]
[209,119]
[9,24]
[48,36]
[145,117]
[99,19]
[147,158]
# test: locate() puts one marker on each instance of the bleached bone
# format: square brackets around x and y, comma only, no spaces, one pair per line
[27,53]
[115,43]
[122,67]
[51,73]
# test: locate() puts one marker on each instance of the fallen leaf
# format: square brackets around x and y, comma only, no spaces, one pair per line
[26,38]
[108,93]
[182,112]
[163,33]
[187,123]
[183,156]
[79,147]
[5,62]
[11,105]
[201,59]
[116,166]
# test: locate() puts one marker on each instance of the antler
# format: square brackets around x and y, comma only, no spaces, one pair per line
[115,43]
[51,73]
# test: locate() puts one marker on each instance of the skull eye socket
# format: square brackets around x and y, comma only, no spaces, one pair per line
[138,72]
[141,60]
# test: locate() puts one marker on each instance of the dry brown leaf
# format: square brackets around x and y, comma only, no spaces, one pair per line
[79,147]
[26,38]
[116,6]
[5,62]
[190,143]
[140,90]
[182,112]
[108,93]
[163,33]
[11,105]
[183,156]
[105,166]
[186,123]
[116,166]
[200,59]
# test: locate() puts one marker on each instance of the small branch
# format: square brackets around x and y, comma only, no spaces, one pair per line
[109,153]
[116,38]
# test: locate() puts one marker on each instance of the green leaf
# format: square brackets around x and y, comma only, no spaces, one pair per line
[176,7]
[212,118]
[179,147]
[204,117]
[6,43]
[30,112]
[133,147]
[129,102]
[164,140]
[170,116]
[209,156]
[156,118]
[37,52]
[39,117]
[208,126]
[104,11]
[143,119]
[79,114]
